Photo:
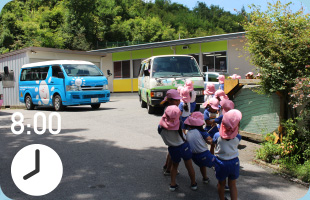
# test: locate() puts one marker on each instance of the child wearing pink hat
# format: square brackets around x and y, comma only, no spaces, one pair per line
[172,98]
[197,138]
[249,75]
[210,114]
[226,105]
[221,79]
[220,95]
[169,129]
[209,92]
[226,151]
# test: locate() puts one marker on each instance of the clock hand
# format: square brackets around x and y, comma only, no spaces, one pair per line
[37,165]
[37,160]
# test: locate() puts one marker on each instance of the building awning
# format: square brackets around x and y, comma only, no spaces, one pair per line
[211,38]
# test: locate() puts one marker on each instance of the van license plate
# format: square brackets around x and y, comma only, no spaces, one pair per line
[94,100]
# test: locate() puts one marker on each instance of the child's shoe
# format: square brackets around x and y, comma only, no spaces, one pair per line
[173,188]
[167,173]
[206,181]
[194,187]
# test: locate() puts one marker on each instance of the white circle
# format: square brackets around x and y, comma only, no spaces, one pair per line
[53,88]
[37,97]
[44,92]
[49,80]
[39,103]
[46,179]
[37,82]
[37,89]
[78,82]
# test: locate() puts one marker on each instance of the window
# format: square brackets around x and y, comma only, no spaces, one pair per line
[35,73]
[196,56]
[215,62]
[55,70]
[136,67]
[122,69]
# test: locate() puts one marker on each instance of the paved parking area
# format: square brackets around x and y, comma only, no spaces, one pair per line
[116,153]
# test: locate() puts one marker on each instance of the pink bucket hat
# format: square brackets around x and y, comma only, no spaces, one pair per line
[238,77]
[234,76]
[210,89]
[213,102]
[220,94]
[171,94]
[229,127]
[171,118]
[227,105]
[184,92]
[196,119]
[189,85]
[249,74]
[221,79]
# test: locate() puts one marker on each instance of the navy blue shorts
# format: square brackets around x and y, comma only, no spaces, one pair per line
[204,159]
[182,151]
[227,168]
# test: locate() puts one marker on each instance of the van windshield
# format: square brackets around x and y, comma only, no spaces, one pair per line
[175,66]
[82,70]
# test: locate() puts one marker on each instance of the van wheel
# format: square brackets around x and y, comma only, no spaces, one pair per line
[150,109]
[95,106]
[57,102]
[28,102]
[142,103]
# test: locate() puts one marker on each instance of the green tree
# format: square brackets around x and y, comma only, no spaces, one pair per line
[278,41]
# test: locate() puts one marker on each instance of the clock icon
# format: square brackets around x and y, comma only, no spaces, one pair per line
[36,170]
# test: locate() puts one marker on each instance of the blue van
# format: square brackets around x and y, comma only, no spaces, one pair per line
[62,83]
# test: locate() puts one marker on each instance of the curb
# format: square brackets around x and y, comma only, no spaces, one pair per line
[284,173]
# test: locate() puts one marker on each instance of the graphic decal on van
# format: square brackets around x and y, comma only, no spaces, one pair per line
[177,83]
[78,81]
[44,92]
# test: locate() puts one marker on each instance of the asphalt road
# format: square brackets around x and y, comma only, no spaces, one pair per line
[116,153]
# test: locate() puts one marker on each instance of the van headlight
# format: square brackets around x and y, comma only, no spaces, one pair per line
[157,94]
[105,87]
[73,88]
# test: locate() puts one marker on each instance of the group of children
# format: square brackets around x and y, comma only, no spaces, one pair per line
[187,133]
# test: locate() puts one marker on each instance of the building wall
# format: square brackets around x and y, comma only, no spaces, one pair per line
[238,62]
[107,64]
[14,62]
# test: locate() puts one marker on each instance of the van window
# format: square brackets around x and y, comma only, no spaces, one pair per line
[82,70]
[55,70]
[34,73]
[173,66]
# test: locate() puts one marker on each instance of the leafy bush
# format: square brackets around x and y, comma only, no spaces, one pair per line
[293,153]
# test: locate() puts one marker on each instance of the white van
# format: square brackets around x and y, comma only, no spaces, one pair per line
[161,73]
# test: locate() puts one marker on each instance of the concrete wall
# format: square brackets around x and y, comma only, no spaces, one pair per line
[238,62]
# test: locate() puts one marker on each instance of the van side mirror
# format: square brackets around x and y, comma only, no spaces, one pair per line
[61,75]
[109,73]
[6,70]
